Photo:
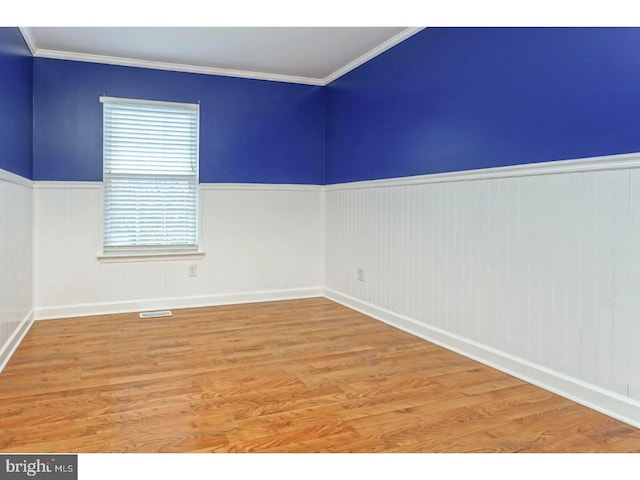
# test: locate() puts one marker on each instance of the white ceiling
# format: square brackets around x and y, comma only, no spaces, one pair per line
[311,55]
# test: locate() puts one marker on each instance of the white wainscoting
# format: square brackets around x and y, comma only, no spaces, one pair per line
[532,269]
[260,242]
[16,281]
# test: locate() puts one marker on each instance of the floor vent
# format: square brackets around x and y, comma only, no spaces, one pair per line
[158,313]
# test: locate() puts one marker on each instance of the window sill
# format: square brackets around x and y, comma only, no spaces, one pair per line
[147,256]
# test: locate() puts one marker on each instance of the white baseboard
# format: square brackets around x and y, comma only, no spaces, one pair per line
[610,403]
[88,309]
[8,349]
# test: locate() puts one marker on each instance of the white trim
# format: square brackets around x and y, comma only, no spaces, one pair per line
[592,164]
[383,47]
[48,185]
[225,72]
[262,186]
[148,256]
[89,309]
[8,349]
[9,177]
[155,103]
[604,401]
[29,40]
[53,185]
[175,67]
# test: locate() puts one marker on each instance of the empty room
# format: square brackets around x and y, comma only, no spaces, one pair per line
[319,239]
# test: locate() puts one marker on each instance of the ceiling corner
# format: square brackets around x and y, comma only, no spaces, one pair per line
[29,40]
[374,52]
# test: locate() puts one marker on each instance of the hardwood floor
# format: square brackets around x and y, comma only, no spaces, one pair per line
[293,376]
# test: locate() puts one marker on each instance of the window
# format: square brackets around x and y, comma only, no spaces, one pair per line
[150,176]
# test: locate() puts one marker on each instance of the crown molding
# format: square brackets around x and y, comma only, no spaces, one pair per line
[176,67]
[383,47]
[29,40]
[179,67]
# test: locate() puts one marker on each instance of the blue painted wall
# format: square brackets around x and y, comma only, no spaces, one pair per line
[251,131]
[16,111]
[451,99]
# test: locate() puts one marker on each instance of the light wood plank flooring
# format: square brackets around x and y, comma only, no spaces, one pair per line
[293,376]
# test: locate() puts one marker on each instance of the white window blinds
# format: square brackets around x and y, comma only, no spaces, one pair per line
[150,174]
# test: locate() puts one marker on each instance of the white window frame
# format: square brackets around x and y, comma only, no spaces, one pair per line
[148,253]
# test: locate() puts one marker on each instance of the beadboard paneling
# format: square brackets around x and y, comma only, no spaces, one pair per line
[15,262]
[542,268]
[633,338]
[258,244]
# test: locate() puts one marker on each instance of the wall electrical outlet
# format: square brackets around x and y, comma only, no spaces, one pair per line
[360,275]
[193,271]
